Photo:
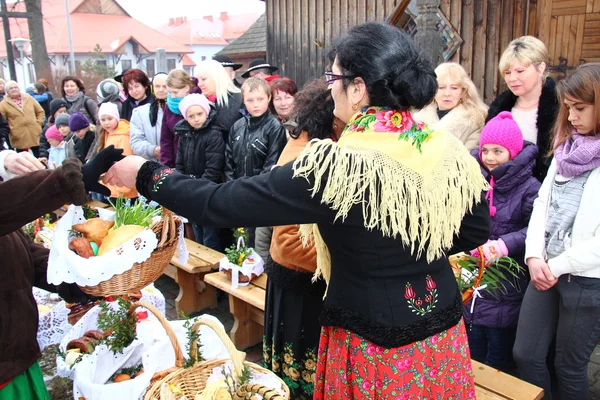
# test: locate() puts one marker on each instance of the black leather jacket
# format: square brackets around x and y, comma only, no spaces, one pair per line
[201,152]
[253,146]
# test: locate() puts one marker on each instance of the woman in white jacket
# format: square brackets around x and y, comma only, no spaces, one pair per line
[562,249]
[457,107]
[146,122]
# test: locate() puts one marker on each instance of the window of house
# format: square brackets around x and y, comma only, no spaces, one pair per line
[150,68]
[31,70]
[203,58]
[101,62]
[171,64]
[125,65]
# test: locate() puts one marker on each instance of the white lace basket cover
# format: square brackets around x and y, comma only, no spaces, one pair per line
[64,265]
[253,264]
[54,324]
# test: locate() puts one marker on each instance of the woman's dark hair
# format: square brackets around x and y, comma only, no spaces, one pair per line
[136,75]
[395,74]
[313,111]
[75,79]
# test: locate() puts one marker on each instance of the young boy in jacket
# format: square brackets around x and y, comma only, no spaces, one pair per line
[201,152]
[255,141]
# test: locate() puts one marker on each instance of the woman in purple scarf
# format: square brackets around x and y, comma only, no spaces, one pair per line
[562,249]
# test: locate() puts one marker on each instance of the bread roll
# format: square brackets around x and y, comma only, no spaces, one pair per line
[119,236]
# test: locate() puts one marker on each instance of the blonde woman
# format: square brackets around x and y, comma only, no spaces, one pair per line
[457,107]
[531,95]
[216,84]
[25,117]
[179,85]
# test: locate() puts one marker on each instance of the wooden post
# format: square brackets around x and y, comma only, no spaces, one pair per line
[427,38]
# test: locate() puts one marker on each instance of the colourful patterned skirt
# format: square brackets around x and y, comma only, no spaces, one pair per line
[292,328]
[351,367]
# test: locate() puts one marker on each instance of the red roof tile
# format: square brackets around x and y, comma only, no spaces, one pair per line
[187,61]
[109,31]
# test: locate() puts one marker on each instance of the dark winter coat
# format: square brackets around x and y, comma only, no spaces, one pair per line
[547,110]
[253,146]
[201,152]
[369,271]
[24,263]
[130,104]
[228,115]
[514,193]
[4,131]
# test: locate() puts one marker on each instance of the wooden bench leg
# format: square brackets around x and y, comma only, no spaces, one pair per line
[245,332]
[194,294]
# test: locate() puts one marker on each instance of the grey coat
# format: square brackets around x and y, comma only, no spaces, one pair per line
[144,136]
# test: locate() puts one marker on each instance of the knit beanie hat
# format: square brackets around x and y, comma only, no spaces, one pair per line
[62,119]
[194,99]
[77,122]
[109,109]
[55,104]
[106,88]
[53,133]
[503,131]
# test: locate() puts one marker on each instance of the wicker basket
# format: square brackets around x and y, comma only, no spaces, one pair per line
[193,380]
[456,268]
[142,274]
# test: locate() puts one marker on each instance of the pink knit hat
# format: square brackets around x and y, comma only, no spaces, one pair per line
[194,99]
[109,108]
[53,133]
[504,131]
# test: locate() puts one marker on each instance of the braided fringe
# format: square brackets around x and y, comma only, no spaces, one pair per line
[424,210]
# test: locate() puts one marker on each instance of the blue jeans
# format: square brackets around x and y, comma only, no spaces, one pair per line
[209,237]
[492,346]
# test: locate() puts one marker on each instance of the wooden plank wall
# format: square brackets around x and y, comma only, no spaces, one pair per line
[299,32]
[486,26]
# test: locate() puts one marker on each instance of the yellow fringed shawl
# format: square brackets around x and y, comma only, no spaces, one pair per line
[411,182]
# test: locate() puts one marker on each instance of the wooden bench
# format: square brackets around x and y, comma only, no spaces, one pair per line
[194,294]
[491,384]
[247,304]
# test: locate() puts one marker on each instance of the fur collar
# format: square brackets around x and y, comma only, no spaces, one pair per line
[547,110]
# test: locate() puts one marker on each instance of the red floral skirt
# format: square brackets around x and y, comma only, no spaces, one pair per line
[351,367]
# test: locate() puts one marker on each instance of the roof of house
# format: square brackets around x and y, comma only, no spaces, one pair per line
[254,40]
[187,61]
[110,31]
[210,30]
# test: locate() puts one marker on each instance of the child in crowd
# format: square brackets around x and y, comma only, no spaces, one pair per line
[507,163]
[201,152]
[114,130]
[82,139]
[256,141]
[56,153]
[562,301]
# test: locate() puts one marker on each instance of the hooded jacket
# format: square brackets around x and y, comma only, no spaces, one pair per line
[201,152]
[515,189]
[253,146]
[547,110]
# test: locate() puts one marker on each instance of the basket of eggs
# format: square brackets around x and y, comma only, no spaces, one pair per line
[219,379]
[112,254]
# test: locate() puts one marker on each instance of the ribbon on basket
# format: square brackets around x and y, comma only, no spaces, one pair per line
[468,294]
[476,294]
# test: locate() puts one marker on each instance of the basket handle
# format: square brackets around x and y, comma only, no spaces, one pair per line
[163,321]
[256,388]
[466,296]
[238,357]
[240,239]
[168,224]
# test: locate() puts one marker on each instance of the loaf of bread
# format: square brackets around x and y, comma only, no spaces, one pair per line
[119,236]
[84,344]
[94,229]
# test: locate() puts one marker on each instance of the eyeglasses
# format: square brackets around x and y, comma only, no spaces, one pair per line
[330,77]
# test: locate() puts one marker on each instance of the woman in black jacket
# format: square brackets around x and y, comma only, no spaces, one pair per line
[136,85]
[531,96]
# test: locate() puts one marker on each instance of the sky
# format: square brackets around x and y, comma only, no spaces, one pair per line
[157,12]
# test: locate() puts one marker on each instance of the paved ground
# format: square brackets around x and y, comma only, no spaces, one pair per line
[61,389]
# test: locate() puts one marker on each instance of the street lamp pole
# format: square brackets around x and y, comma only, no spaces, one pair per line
[71,52]
[20,44]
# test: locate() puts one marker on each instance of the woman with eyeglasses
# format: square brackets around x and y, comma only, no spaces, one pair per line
[383,206]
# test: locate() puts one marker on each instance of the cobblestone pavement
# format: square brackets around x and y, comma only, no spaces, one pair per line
[61,389]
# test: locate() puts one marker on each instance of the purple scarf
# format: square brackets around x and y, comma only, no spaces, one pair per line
[578,155]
